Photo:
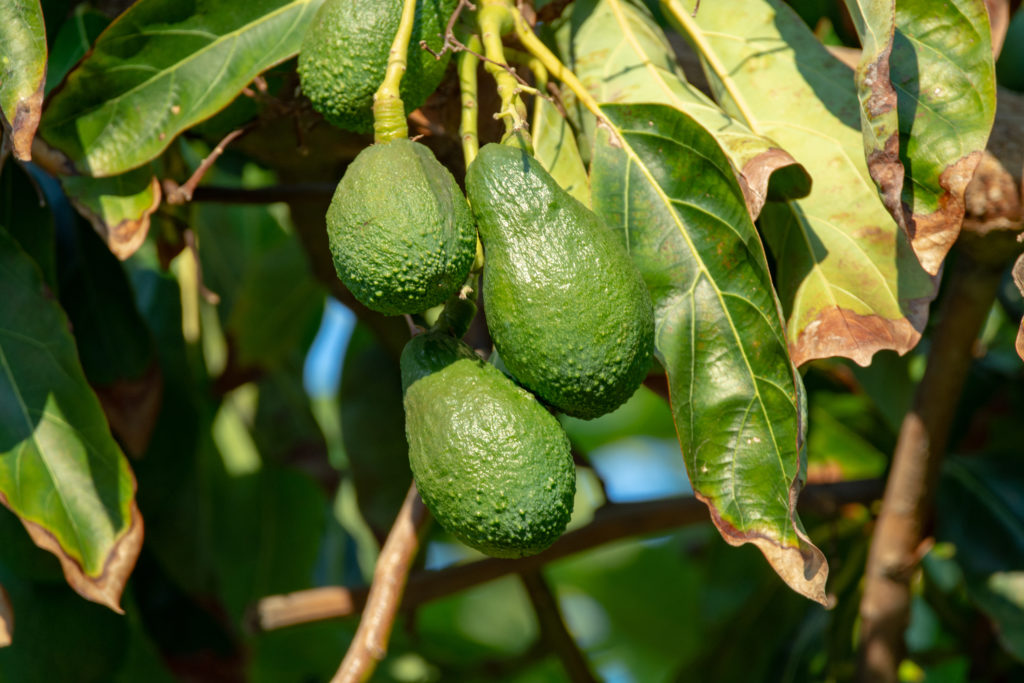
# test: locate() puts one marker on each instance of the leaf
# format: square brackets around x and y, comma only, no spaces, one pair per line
[161,67]
[6,619]
[736,398]
[115,347]
[74,38]
[119,207]
[926,82]
[60,470]
[982,493]
[24,211]
[621,55]
[22,71]
[269,302]
[849,283]
[554,145]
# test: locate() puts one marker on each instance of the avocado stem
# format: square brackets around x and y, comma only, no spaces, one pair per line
[388,109]
[554,65]
[467,65]
[494,17]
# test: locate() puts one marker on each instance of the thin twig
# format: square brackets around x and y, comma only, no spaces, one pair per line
[370,643]
[553,631]
[180,194]
[899,540]
[610,523]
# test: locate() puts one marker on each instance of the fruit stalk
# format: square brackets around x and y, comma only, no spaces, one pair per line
[467,65]
[388,108]
[493,19]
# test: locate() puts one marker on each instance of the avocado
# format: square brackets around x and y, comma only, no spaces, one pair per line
[492,465]
[567,309]
[344,55]
[400,231]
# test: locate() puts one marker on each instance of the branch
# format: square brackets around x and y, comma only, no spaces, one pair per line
[553,630]
[899,539]
[180,194]
[370,643]
[610,523]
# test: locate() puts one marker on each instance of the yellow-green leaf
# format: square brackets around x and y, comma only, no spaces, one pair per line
[849,282]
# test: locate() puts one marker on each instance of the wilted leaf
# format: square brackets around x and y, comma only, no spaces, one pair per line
[737,401]
[22,71]
[848,280]
[60,470]
[162,67]
[926,83]
[621,55]
[119,207]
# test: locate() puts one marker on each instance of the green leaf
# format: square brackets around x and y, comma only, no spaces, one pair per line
[118,207]
[622,56]
[926,83]
[981,511]
[74,38]
[554,145]
[269,302]
[849,282]
[162,67]
[22,71]
[736,398]
[115,347]
[60,470]
[28,219]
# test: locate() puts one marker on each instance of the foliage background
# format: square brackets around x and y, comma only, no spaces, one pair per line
[278,409]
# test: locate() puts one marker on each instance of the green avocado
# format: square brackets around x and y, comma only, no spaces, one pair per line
[400,231]
[491,464]
[344,55]
[567,309]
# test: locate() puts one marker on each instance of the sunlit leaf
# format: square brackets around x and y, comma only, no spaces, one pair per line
[621,55]
[22,71]
[1018,278]
[60,470]
[849,282]
[926,83]
[554,145]
[162,67]
[662,179]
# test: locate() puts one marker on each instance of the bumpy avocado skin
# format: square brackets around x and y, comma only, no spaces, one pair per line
[491,464]
[400,231]
[344,55]
[567,309]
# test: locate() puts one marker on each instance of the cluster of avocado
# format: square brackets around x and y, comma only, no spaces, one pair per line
[570,316]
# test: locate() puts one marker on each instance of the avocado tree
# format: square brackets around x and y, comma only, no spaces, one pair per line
[518,341]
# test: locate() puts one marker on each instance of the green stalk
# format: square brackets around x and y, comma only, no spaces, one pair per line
[467,65]
[494,19]
[554,66]
[388,108]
